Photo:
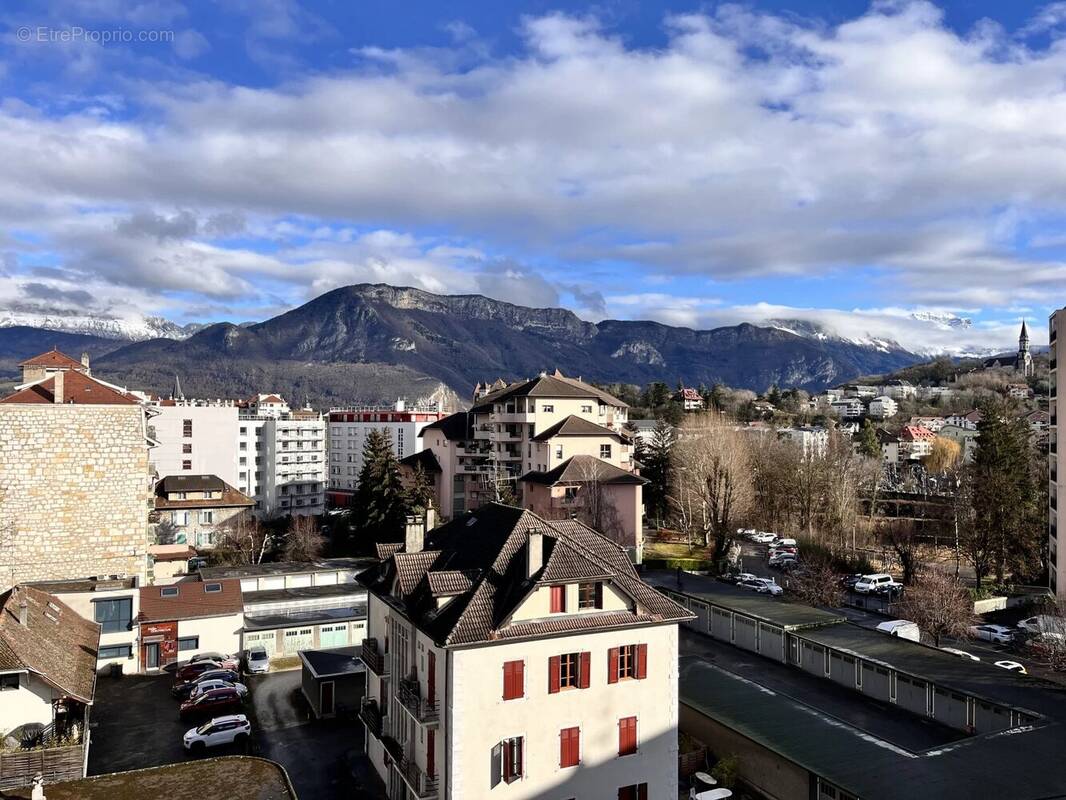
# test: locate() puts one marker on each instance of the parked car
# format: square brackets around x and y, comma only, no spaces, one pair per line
[182,689]
[777,542]
[868,583]
[903,628]
[233,728]
[889,591]
[762,586]
[1044,624]
[782,560]
[194,670]
[201,686]
[763,537]
[999,634]
[211,704]
[1013,666]
[777,551]
[227,662]
[960,653]
[849,581]
[257,660]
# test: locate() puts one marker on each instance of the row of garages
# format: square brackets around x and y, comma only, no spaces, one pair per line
[797,645]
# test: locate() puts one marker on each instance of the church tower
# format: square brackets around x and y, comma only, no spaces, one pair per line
[1024,364]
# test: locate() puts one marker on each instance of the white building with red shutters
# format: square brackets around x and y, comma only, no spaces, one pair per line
[514,657]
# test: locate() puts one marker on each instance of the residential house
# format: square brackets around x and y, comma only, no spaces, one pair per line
[178,620]
[890,446]
[883,407]
[763,408]
[516,656]
[1018,391]
[193,509]
[1039,421]
[915,442]
[968,420]
[899,390]
[689,399]
[348,429]
[847,408]
[935,394]
[966,438]
[47,683]
[859,390]
[812,440]
[74,476]
[932,423]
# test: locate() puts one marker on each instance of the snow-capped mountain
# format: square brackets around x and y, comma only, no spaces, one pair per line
[945,320]
[136,328]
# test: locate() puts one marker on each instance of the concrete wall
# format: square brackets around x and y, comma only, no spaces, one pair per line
[74,492]
[213,441]
[32,702]
[222,634]
[82,603]
[538,604]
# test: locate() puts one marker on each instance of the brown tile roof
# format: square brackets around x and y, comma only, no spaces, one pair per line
[554,385]
[192,600]
[575,426]
[78,389]
[456,427]
[448,583]
[583,469]
[230,497]
[53,358]
[423,458]
[387,549]
[489,545]
[56,643]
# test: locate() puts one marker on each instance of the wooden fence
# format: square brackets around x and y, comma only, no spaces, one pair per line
[17,767]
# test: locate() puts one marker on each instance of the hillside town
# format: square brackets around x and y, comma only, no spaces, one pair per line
[410,587]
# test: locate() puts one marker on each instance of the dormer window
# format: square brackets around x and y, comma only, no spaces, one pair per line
[211,588]
[590,595]
[558,599]
[168,591]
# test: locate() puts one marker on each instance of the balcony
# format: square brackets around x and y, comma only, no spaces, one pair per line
[374,659]
[417,780]
[410,696]
[370,715]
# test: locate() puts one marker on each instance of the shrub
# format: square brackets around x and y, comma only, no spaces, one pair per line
[725,771]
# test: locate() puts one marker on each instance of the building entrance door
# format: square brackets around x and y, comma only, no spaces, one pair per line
[151,656]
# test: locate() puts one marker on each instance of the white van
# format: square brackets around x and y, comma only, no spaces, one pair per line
[868,583]
[903,628]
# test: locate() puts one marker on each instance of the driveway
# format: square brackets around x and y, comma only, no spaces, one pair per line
[135,725]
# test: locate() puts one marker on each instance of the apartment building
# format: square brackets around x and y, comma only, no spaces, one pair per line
[883,407]
[516,657]
[1056,480]
[348,429]
[916,442]
[75,484]
[281,457]
[196,437]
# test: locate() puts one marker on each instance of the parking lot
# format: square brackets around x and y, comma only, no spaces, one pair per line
[135,724]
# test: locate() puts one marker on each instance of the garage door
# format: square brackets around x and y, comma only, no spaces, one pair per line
[745,633]
[950,708]
[297,639]
[721,625]
[335,635]
[912,695]
[875,682]
[771,642]
[703,616]
[267,639]
[842,670]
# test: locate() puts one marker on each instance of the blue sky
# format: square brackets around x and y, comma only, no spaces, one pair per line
[875,168]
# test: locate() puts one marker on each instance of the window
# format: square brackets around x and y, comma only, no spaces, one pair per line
[186,448]
[513,680]
[570,671]
[558,452]
[635,791]
[186,428]
[507,761]
[586,409]
[180,518]
[605,451]
[188,643]
[569,747]
[116,651]
[590,595]
[627,663]
[548,408]
[168,591]
[113,615]
[558,599]
[9,682]
[211,588]
[187,465]
[207,517]
[627,736]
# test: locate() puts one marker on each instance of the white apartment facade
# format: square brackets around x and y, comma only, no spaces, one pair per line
[348,430]
[571,691]
[194,437]
[1056,479]
[883,407]
[281,460]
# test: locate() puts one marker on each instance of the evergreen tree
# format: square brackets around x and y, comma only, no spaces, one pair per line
[419,495]
[774,396]
[658,469]
[380,507]
[868,444]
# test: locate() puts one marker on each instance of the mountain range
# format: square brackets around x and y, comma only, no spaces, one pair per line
[373,343]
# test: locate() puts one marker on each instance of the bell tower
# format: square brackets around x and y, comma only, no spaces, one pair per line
[1024,364]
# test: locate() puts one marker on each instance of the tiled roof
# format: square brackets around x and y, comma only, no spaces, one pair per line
[914,432]
[387,549]
[575,426]
[192,600]
[575,622]
[582,469]
[191,483]
[423,458]
[53,358]
[78,389]
[230,498]
[448,583]
[490,546]
[56,643]
[554,385]
[455,427]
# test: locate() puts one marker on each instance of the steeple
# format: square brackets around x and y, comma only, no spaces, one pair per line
[1023,339]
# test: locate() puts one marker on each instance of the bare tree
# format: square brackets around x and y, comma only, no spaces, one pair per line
[595,505]
[818,584]
[244,541]
[303,542]
[902,538]
[939,605]
[842,471]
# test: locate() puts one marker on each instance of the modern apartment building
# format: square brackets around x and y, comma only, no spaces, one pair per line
[515,657]
[1056,479]
[197,437]
[281,458]
[348,429]
[75,484]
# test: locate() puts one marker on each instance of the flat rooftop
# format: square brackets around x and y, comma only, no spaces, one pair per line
[286,568]
[84,585]
[337,661]
[252,778]
[348,590]
[313,616]
[792,616]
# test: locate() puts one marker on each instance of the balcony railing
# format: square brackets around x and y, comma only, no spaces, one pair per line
[410,695]
[416,779]
[370,715]
[374,659]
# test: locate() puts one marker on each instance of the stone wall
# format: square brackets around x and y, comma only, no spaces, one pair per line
[74,492]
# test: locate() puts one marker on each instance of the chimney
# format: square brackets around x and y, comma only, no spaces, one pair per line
[24,613]
[415,536]
[534,553]
[85,361]
[431,519]
[58,386]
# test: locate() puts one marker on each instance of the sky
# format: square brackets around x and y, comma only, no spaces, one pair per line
[864,166]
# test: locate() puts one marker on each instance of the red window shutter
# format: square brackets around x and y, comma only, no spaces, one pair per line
[599,595]
[519,755]
[584,664]
[431,679]
[553,675]
[431,766]
[508,760]
[513,680]
[612,665]
[569,747]
[627,736]
[642,791]
[558,599]
[507,669]
[642,661]
[519,678]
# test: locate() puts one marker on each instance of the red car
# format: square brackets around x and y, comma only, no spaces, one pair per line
[214,703]
[194,670]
